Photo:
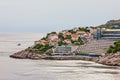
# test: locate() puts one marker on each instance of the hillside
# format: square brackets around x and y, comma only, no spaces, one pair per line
[114,24]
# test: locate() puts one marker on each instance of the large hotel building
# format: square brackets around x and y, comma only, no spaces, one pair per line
[102,33]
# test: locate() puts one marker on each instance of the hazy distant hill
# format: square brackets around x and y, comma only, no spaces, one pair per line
[115,24]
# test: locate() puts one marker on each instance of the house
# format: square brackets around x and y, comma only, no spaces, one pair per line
[80,32]
[75,37]
[52,36]
[54,42]
[87,35]
[92,30]
[42,42]
[64,31]
[68,41]
[67,33]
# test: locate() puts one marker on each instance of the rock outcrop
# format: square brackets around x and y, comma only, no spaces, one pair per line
[26,54]
[112,60]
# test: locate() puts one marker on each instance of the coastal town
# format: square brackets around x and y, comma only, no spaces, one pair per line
[79,43]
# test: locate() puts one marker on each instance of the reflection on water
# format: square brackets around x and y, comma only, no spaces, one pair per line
[25,69]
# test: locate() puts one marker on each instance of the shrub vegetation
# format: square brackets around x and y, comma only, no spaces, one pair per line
[115,48]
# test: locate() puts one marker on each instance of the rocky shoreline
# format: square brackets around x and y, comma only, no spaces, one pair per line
[26,54]
[111,60]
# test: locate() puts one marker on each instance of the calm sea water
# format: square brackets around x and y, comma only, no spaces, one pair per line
[25,69]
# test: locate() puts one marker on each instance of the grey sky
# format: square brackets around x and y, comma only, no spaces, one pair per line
[54,15]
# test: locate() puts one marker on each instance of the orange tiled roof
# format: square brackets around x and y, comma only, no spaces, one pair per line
[56,40]
[46,42]
[75,35]
[67,33]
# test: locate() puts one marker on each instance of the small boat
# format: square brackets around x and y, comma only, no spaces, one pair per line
[19,44]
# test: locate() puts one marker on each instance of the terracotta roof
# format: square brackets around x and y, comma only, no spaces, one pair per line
[42,41]
[75,35]
[56,40]
[46,42]
[67,33]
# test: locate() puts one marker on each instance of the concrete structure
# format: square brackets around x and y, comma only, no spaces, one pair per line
[97,34]
[63,49]
[111,34]
[107,34]
[95,46]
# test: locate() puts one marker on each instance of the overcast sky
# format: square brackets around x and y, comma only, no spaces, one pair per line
[24,16]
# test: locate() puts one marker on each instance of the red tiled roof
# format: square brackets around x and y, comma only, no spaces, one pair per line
[46,43]
[67,33]
[56,40]
[75,35]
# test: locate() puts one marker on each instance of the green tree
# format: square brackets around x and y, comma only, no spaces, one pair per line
[83,29]
[115,48]
[43,38]
[60,35]
[68,36]
[53,33]
[72,31]
[60,43]
[37,46]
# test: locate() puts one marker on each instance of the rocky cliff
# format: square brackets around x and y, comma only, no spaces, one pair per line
[26,54]
[112,60]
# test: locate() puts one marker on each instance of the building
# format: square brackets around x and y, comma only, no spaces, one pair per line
[66,33]
[75,37]
[97,34]
[79,32]
[42,42]
[111,34]
[54,42]
[92,30]
[63,49]
[107,34]
[51,37]
[68,41]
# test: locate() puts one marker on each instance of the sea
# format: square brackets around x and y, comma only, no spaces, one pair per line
[26,69]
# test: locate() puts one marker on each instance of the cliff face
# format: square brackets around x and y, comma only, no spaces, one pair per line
[26,54]
[112,60]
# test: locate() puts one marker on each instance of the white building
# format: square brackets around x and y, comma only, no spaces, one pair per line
[51,37]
